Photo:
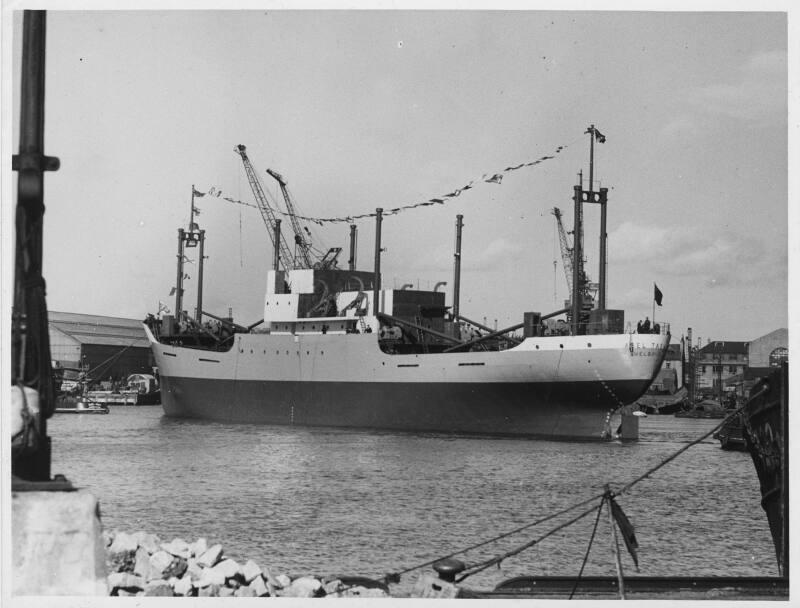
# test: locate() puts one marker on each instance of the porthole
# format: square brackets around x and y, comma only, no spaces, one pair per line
[537,347]
[561,346]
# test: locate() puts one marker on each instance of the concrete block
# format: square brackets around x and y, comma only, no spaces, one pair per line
[210,557]
[183,586]
[259,587]
[177,547]
[228,568]
[305,586]
[149,542]
[124,543]
[158,589]
[208,591]
[57,544]
[250,570]
[125,580]
[245,592]
[428,587]
[197,548]
[160,561]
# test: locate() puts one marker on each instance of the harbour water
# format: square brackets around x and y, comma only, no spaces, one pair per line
[324,501]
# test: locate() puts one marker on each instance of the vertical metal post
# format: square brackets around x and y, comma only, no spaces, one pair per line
[276,254]
[353,236]
[457,267]
[179,281]
[377,282]
[577,263]
[615,548]
[690,363]
[601,304]
[591,158]
[200,278]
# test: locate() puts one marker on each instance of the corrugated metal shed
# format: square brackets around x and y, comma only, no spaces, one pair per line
[107,346]
[96,329]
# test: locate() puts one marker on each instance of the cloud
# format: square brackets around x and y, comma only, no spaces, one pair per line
[758,92]
[718,259]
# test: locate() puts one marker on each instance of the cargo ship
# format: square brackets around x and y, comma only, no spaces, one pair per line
[335,349]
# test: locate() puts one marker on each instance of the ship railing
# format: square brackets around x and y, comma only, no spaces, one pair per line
[662,329]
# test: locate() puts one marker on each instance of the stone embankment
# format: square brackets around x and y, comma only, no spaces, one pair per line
[141,564]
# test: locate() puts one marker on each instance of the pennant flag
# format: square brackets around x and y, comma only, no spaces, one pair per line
[599,137]
[196,211]
[163,307]
[657,295]
[495,179]
[212,190]
[196,193]
[626,528]
[172,291]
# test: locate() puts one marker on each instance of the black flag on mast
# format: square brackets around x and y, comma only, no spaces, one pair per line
[657,295]
[597,135]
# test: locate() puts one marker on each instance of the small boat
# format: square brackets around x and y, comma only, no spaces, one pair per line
[704,409]
[71,405]
[731,435]
[663,404]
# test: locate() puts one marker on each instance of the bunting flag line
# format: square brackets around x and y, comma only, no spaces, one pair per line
[490,178]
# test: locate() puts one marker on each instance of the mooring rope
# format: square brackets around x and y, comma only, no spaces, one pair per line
[394,577]
[480,566]
[589,547]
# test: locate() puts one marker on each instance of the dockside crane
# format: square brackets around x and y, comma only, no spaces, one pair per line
[567,252]
[302,246]
[267,212]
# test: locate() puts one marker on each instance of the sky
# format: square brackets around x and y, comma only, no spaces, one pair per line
[365,109]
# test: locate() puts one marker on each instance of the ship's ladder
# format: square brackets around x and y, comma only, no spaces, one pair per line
[362,324]
[421,334]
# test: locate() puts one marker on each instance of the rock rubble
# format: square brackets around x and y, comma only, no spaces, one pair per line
[142,564]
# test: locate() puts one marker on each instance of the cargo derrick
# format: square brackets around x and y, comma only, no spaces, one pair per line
[267,212]
[586,288]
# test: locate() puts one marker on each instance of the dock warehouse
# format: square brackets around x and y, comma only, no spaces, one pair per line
[110,347]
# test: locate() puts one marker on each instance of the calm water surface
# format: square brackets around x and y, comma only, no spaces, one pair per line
[323,501]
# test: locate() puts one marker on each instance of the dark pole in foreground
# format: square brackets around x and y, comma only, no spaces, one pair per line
[457,267]
[31,362]
[377,281]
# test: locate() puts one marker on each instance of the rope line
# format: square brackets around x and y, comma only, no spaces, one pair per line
[498,559]
[589,547]
[672,457]
[493,178]
[396,575]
